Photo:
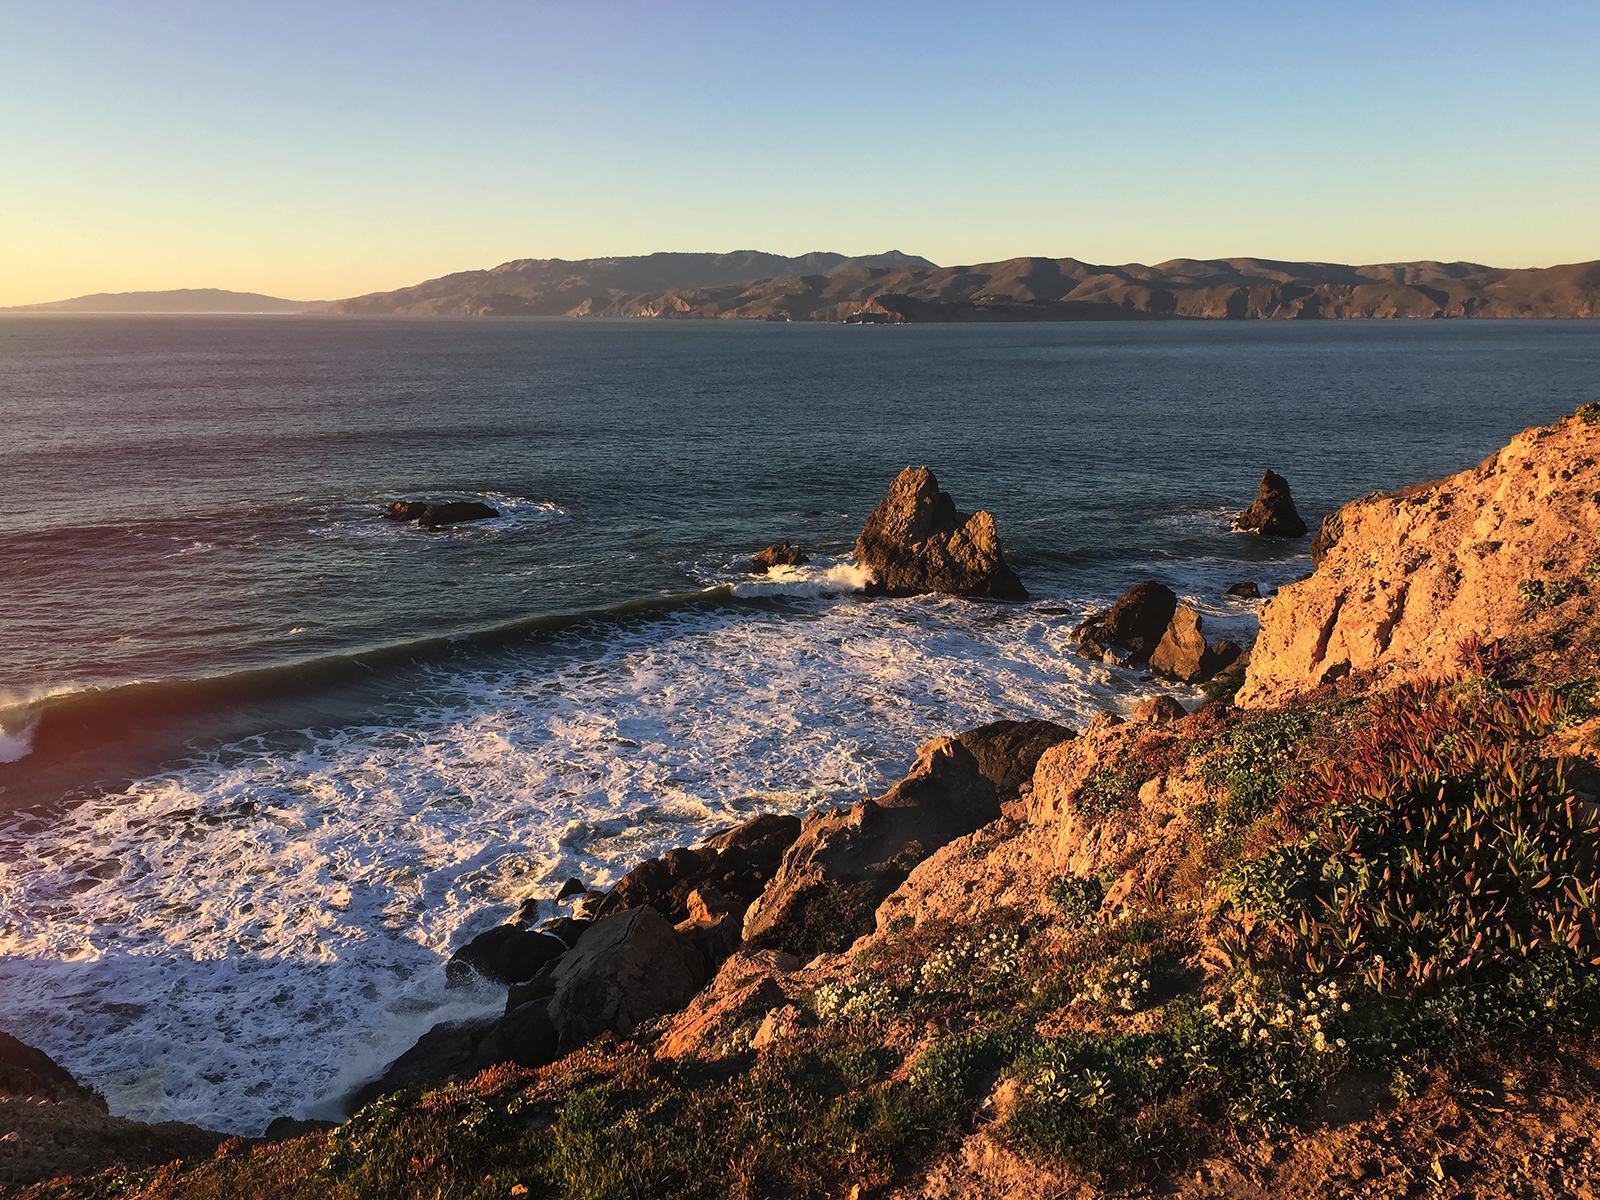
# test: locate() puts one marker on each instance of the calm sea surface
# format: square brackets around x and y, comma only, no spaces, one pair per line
[264,757]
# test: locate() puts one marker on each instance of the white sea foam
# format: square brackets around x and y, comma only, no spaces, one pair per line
[253,934]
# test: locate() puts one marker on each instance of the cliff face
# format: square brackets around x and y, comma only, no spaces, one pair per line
[1508,551]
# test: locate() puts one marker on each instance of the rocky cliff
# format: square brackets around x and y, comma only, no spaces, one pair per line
[1342,942]
[1507,552]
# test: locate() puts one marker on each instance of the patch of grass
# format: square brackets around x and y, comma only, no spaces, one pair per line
[1589,414]
[1250,765]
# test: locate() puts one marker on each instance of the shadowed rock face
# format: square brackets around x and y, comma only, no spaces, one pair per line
[1007,751]
[847,860]
[625,969]
[915,542]
[1273,513]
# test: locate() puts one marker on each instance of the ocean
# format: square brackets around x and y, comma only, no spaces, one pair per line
[266,758]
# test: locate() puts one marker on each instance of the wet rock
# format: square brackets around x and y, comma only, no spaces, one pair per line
[1134,625]
[1007,751]
[504,954]
[568,929]
[25,1071]
[779,554]
[846,861]
[626,969]
[1273,513]
[436,515]
[572,887]
[1248,590]
[915,541]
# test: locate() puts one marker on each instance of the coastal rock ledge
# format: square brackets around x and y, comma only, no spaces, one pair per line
[916,542]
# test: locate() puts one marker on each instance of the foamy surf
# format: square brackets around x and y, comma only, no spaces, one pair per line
[279,911]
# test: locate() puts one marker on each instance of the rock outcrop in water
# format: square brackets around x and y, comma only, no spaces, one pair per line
[437,514]
[1147,627]
[915,541]
[1507,551]
[1273,513]
[779,554]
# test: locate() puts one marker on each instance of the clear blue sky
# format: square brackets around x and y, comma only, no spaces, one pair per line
[323,149]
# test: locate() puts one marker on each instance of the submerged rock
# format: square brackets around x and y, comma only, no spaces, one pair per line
[1273,513]
[847,860]
[779,554]
[435,515]
[915,541]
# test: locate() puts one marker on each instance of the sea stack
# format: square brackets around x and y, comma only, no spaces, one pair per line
[1147,627]
[1273,513]
[915,542]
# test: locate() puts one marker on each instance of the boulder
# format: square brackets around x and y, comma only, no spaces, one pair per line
[1249,590]
[1181,652]
[846,861]
[1148,627]
[779,554]
[572,887]
[1328,534]
[1159,710]
[625,969]
[1007,751]
[568,929]
[736,863]
[435,515]
[915,542]
[1135,624]
[525,1036]
[504,954]
[1273,513]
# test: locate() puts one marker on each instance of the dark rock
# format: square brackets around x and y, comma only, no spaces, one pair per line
[736,863]
[1223,655]
[434,516]
[915,541]
[1328,533]
[447,1051]
[572,887]
[1007,751]
[1159,710]
[779,554]
[1245,591]
[541,987]
[1135,624]
[1273,513]
[504,954]
[25,1071]
[626,969]
[568,929]
[1148,627]
[525,1036]
[846,861]
[281,1129]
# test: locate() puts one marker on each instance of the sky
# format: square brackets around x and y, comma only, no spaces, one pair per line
[319,150]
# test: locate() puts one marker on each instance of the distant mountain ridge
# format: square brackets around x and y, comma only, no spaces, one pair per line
[896,287]
[176,301]
[623,286]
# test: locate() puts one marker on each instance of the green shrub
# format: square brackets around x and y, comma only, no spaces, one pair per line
[1250,765]
[1078,898]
